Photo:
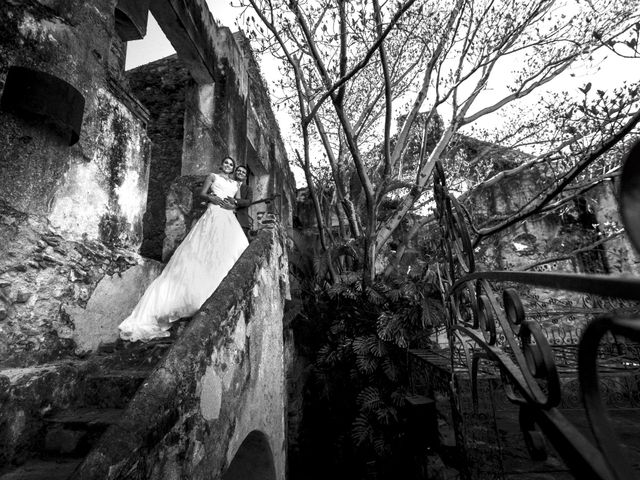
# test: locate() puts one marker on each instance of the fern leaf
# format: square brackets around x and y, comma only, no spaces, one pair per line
[390,369]
[386,415]
[377,347]
[361,430]
[398,397]
[374,297]
[394,295]
[369,399]
[366,364]
[322,354]
[359,345]
[380,445]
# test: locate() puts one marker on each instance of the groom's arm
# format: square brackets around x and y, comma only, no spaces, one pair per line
[245,201]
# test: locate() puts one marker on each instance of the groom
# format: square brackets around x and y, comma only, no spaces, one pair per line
[246,197]
[239,205]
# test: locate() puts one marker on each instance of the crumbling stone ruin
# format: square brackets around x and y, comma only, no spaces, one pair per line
[97,172]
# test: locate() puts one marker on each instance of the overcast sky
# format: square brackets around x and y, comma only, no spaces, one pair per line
[603,74]
[155,45]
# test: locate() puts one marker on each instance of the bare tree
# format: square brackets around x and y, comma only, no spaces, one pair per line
[360,69]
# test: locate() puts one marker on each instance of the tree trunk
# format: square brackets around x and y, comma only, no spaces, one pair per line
[369,271]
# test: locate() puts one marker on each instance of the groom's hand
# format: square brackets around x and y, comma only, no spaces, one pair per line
[228,204]
[215,200]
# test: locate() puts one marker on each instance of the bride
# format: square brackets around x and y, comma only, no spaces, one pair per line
[197,266]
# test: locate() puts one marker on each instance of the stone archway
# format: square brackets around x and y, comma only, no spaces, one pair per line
[253,460]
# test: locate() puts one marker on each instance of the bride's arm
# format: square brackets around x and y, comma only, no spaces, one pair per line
[204,192]
[230,203]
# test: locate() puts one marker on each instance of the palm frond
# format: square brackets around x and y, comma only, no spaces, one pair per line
[390,369]
[369,399]
[361,430]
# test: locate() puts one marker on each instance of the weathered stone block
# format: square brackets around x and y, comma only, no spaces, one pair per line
[112,301]
[62,440]
[23,297]
[30,394]
[98,187]
[37,299]
[184,208]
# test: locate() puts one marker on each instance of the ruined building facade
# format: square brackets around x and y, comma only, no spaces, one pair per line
[98,169]
[89,154]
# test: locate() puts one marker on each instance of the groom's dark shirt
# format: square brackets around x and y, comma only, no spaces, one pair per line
[242,210]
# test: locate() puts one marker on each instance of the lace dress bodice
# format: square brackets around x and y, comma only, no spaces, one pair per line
[223,187]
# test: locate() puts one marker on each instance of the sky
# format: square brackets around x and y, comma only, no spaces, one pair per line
[155,45]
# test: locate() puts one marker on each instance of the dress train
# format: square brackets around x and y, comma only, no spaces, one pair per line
[193,273]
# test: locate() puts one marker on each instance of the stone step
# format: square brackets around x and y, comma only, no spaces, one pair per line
[134,356]
[113,388]
[177,327]
[36,469]
[108,347]
[86,396]
[125,373]
[73,432]
[86,417]
[26,375]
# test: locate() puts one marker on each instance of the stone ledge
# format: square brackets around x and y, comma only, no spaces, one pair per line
[172,389]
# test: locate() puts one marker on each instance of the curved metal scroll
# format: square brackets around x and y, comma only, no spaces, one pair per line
[525,358]
[601,428]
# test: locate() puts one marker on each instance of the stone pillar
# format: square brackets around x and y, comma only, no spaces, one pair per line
[198,156]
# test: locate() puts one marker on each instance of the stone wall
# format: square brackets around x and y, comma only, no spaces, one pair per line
[619,253]
[74,159]
[184,208]
[162,87]
[578,225]
[264,148]
[220,387]
[553,236]
[96,188]
[60,297]
[193,126]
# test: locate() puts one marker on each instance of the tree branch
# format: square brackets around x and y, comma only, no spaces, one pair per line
[387,94]
[604,147]
[571,254]
[365,60]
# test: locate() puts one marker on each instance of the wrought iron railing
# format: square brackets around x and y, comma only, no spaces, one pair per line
[496,337]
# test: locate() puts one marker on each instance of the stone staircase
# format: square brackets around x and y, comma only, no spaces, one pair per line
[63,429]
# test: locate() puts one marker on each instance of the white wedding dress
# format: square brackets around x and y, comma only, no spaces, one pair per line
[193,273]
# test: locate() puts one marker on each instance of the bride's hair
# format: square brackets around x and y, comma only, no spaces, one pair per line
[232,161]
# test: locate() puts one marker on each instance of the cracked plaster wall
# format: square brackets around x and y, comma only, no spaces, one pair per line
[95,189]
[70,216]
